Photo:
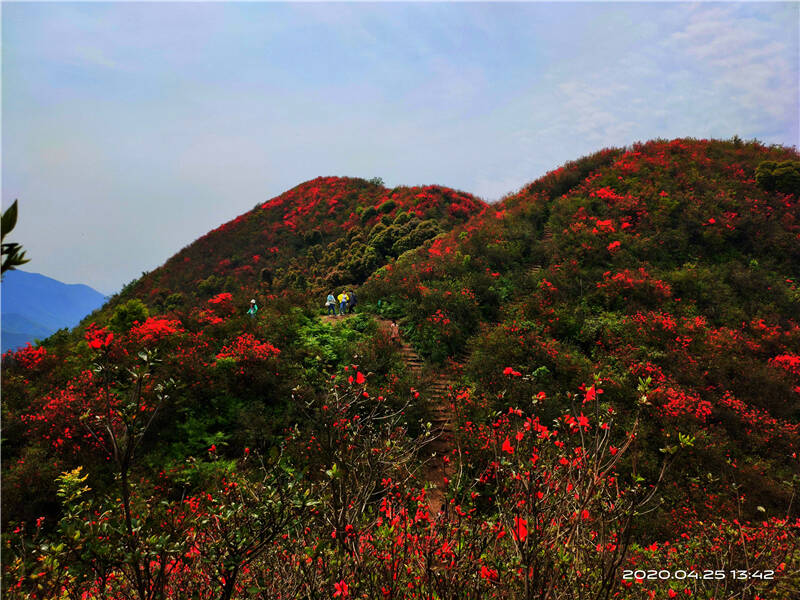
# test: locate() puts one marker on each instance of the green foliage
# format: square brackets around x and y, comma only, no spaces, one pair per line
[783,176]
[325,346]
[369,213]
[387,206]
[125,315]
[13,254]
[174,301]
[211,285]
[312,237]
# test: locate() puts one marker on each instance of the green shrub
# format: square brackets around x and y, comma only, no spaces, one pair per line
[125,315]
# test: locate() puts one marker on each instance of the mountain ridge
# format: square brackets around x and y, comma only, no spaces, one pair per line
[35,306]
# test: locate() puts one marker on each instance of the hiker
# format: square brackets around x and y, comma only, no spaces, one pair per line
[253,309]
[394,332]
[343,298]
[352,301]
[330,302]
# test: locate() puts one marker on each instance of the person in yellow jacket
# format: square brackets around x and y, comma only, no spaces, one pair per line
[343,299]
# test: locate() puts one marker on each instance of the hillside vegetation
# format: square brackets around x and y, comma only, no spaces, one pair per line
[623,340]
[324,233]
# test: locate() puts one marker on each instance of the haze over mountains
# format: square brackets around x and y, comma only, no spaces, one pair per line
[35,306]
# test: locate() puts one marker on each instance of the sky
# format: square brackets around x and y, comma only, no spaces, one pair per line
[131,129]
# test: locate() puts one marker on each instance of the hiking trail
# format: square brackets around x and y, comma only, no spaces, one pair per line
[440,454]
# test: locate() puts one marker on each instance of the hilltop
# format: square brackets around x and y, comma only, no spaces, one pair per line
[324,233]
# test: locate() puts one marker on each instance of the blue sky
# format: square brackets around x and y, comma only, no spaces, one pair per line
[131,129]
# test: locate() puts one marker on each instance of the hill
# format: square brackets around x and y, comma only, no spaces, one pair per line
[668,262]
[324,233]
[35,306]
[603,369]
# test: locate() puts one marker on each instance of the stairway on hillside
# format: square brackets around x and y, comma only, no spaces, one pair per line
[436,390]
[441,450]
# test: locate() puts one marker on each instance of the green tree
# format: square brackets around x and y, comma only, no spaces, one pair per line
[779,176]
[125,315]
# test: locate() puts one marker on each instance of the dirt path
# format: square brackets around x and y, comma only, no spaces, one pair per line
[334,318]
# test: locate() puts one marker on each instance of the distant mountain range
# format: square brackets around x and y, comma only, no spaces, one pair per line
[35,306]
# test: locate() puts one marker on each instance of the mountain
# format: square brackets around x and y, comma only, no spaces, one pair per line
[35,306]
[668,261]
[324,233]
[608,360]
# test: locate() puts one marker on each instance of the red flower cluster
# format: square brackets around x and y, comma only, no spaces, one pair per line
[788,362]
[155,329]
[98,337]
[247,348]
[28,357]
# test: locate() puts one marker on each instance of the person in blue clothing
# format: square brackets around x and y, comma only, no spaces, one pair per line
[351,303]
[330,302]
[253,309]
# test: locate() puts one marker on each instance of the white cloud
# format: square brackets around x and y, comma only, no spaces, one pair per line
[747,61]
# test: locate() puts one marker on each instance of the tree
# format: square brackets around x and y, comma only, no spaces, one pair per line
[13,254]
[125,315]
[779,176]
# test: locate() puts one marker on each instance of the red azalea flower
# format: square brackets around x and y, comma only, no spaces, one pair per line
[342,590]
[520,529]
